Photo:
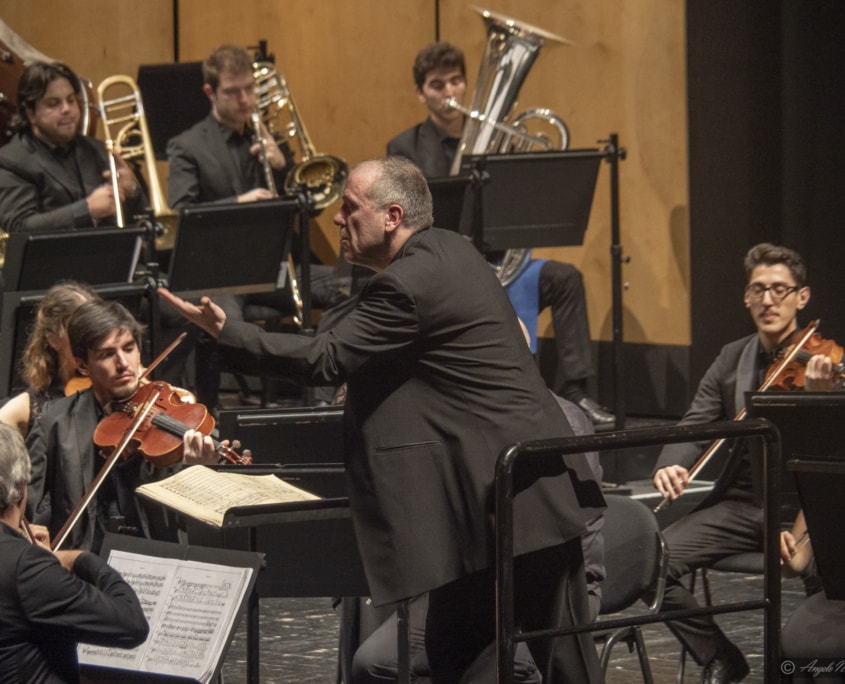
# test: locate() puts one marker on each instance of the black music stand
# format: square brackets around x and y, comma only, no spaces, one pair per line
[539,199]
[309,546]
[820,486]
[161,549]
[451,201]
[301,436]
[35,261]
[236,248]
[173,100]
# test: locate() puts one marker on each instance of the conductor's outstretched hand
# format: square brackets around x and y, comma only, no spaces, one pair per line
[207,315]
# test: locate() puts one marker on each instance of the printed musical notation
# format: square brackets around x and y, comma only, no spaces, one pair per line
[207,494]
[191,608]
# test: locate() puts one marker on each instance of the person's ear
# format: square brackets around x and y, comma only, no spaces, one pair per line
[394,217]
[53,340]
[81,365]
[803,297]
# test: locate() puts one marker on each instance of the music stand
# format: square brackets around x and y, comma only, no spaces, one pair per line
[450,199]
[35,261]
[820,487]
[235,248]
[173,100]
[301,436]
[538,199]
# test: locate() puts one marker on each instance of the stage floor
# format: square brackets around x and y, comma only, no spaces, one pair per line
[299,639]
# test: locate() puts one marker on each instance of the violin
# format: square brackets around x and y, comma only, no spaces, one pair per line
[158,436]
[803,348]
[791,376]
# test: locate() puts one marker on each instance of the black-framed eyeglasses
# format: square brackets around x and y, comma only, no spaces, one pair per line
[778,291]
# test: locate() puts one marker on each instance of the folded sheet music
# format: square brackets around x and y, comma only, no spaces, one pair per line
[191,608]
[207,494]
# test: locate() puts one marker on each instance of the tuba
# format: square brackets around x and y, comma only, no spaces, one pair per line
[126,133]
[509,53]
[322,175]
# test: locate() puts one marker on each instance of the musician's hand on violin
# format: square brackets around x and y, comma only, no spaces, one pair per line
[255,195]
[198,449]
[671,481]
[819,375]
[68,558]
[207,315]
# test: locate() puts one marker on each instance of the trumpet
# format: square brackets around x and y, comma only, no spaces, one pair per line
[126,133]
[255,117]
[321,175]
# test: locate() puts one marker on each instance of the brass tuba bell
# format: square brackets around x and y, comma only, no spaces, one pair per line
[126,132]
[509,53]
[321,175]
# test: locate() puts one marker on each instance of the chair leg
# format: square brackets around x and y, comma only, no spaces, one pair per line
[682,661]
[642,654]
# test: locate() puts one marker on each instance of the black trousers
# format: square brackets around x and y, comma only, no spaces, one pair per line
[732,525]
[550,591]
[562,288]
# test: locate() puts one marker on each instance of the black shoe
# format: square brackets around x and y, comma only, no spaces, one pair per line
[597,414]
[728,666]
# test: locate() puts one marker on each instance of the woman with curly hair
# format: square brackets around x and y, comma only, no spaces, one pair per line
[47,363]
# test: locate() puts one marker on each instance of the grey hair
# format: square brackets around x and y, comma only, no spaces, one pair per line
[400,181]
[15,468]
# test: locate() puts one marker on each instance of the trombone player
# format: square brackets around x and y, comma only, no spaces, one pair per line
[51,176]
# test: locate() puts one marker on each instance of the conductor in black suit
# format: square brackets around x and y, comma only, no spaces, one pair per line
[439,382]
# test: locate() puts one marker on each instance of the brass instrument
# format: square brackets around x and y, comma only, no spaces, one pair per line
[255,117]
[509,53]
[126,134]
[321,175]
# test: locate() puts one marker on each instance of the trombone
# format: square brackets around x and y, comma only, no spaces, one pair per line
[126,133]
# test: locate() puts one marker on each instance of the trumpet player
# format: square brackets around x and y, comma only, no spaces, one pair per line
[219,160]
[51,176]
[440,74]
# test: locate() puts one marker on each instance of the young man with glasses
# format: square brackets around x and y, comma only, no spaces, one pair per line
[730,521]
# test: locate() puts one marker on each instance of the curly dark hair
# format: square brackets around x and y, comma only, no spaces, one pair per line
[767,254]
[33,84]
[437,56]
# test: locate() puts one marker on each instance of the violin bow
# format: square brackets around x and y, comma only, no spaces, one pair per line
[161,357]
[104,471]
[704,459]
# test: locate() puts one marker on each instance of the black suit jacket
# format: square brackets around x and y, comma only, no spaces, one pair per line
[423,144]
[201,167]
[45,611]
[440,380]
[720,396]
[37,194]
[64,465]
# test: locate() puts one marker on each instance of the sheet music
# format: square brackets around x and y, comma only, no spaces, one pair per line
[207,494]
[190,607]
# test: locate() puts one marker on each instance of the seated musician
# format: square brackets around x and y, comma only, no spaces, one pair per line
[105,340]
[440,73]
[731,520]
[51,176]
[47,363]
[50,601]
[219,160]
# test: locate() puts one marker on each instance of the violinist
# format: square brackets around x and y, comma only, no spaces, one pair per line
[50,601]
[47,364]
[105,341]
[731,520]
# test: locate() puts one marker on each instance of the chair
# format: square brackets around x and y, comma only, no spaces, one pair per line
[747,563]
[636,561]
